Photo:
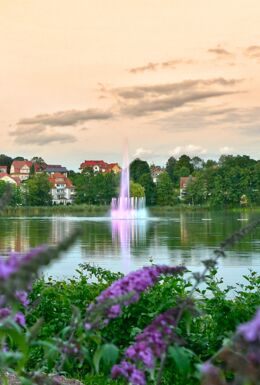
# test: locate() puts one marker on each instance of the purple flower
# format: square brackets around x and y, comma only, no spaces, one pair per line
[125,291]
[251,330]
[11,265]
[22,296]
[4,312]
[114,311]
[20,319]
[208,369]
[129,372]
[150,345]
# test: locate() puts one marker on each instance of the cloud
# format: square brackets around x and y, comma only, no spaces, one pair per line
[136,92]
[245,121]
[172,64]
[253,52]
[67,118]
[142,151]
[190,149]
[226,150]
[221,52]
[170,103]
[147,99]
[39,135]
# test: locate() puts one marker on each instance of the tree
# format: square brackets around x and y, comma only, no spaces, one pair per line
[150,190]
[164,190]
[196,191]
[16,196]
[171,169]
[185,161]
[6,161]
[138,168]
[183,171]
[39,161]
[197,163]
[38,190]
[136,190]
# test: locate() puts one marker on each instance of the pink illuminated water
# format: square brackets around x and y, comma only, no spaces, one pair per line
[125,206]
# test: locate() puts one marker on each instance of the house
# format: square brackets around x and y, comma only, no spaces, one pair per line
[52,169]
[100,166]
[184,181]
[21,169]
[62,189]
[155,172]
[9,179]
[3,169]
[113,167]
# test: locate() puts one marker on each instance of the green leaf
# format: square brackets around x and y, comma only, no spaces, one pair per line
[96,359]
[182,359]
[109,354]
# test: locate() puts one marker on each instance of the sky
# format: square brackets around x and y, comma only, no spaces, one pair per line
[78,78]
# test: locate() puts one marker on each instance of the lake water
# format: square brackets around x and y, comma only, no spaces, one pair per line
[180,238]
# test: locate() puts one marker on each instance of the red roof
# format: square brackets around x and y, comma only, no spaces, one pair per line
[18,164]
[92,163]
[3,168]
[58,178]
[103,165]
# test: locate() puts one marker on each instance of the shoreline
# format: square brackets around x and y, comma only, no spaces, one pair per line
[89,210]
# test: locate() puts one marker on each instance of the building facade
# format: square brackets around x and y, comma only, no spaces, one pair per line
[62,189]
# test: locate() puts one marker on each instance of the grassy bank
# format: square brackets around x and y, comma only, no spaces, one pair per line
[103,210]
[84,210]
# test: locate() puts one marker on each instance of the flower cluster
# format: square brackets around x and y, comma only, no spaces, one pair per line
[129,371]
[150,345]
[125,291]
[15,261]
[250,331]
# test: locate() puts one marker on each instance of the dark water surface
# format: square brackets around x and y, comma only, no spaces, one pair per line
[182,237]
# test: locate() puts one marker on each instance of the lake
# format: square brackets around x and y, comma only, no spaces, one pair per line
[178,238]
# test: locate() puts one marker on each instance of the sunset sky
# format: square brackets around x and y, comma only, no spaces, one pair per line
[171,76]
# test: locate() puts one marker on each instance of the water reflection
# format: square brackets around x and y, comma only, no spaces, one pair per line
[127,234]
[123,245]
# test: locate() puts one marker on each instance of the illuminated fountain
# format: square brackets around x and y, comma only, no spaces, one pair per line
[128,218]
[125,206]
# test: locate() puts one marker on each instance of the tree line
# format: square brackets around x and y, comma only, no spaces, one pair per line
[230,181]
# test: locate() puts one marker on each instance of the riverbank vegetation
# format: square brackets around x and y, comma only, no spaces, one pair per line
[232,181]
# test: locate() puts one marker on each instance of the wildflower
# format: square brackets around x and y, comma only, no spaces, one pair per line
[22,296]
[129,372]
[125,291]
[15,261]
[20,319]
[208,369]
[251,330]
[4,312]
[150,345]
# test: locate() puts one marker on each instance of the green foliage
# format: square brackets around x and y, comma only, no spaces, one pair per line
[219,314]
[95,188]
[138,168]
[6,160]
[38,191]
[136,190]
[164,190]
[16,194]
[150,190]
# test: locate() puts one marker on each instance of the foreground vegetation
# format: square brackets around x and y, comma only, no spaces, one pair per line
[219,312]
